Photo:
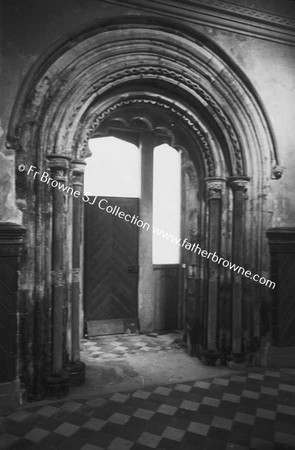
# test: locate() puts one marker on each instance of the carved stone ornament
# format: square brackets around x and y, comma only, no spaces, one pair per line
[214,187]
[193,124]
[214,190]
[58,278]
[78,169]
[176,76]
[278,171]
[76,275]
[239,184]
[59,166]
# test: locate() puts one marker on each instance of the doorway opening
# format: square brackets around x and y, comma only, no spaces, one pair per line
[115,233]
[112,185]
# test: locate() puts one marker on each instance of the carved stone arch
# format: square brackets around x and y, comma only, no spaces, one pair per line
[86,68]
[92,77]
[91,122]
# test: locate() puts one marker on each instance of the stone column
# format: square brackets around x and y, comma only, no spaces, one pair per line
[11,243]
[78,173]
[214,190]
[146,282]
[238,185]
[59,165]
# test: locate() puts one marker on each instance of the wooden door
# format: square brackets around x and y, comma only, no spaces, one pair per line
[110,267]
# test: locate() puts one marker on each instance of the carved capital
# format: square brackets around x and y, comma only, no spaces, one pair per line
[78,169]
[59,166]
[214,187]
[239,184]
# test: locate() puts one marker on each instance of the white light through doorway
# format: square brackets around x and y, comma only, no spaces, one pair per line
[166,203]
[113,170]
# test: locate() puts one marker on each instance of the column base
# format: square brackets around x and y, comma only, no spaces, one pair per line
[77,373]
[10,395]
[211,357]
[57,386]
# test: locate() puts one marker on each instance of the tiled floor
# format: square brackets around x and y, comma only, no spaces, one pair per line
[116,346]
[253,410]
[130,362]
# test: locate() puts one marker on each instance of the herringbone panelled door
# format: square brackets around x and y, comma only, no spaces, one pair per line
[111,267]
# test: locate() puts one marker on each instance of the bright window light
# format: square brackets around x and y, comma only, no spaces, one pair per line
[113,170]
[166,205]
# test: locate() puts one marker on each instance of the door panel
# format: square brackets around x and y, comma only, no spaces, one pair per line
[110,268]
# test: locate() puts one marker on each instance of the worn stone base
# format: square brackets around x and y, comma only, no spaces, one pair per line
[279,357]
[237,365]
[77,373]
[10,395]
[57,386]
[211,357]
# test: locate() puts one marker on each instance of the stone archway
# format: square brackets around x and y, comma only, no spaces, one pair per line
[144,65]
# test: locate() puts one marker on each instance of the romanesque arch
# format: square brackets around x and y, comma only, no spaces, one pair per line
[139,69]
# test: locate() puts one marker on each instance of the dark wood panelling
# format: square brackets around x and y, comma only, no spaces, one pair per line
[286,266]
[11,237]
[282,250]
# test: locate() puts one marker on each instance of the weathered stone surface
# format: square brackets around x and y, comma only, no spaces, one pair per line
[8,211]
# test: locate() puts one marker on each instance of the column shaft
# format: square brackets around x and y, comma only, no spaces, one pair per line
[239,188]
[146,282]
[214,186]
[58,166]
[78,170]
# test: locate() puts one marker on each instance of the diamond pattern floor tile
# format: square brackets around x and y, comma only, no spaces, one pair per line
[251,410]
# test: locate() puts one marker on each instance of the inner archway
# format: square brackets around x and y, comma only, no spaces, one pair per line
[112,190]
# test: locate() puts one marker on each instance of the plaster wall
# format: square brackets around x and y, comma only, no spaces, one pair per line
[31,27]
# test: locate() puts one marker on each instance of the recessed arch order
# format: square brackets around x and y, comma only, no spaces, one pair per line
[77,85]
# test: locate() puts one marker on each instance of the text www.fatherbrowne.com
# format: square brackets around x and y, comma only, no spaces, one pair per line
[104,205]
[195,248]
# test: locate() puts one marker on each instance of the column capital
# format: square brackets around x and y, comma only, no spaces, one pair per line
[78,166]
[239,183]
[214,186]
[59,165]
[58,161]
[78,169]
